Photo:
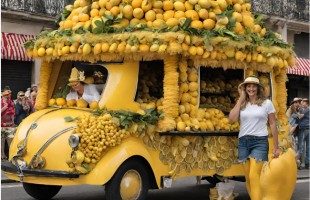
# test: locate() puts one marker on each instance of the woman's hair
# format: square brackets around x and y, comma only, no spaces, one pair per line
[293,109]
[261,97]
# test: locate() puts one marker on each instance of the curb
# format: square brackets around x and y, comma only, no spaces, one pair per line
[8,181]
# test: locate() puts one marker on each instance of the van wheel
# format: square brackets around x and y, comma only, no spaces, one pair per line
[130,182]
[41,192]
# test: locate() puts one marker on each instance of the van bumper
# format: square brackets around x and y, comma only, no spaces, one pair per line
[7,166]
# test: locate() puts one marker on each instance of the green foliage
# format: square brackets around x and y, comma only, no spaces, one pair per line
[126,118]
[62,91]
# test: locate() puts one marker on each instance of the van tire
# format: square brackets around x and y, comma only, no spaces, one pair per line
[41,192]
[131,168]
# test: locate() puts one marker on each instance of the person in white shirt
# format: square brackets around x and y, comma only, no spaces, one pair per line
[254,112]
[80,89]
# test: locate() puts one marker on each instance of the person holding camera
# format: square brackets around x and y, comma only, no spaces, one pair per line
[23,107]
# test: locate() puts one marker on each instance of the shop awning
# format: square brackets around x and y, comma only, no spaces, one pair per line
[11,46]
[302,67]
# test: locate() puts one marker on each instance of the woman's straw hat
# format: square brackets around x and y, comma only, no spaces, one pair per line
[295,100]
[251,79]
[76,76]
[5,91]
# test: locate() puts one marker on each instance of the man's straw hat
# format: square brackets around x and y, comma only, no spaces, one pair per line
[76,76]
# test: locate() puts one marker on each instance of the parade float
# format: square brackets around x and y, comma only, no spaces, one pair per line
[168,73]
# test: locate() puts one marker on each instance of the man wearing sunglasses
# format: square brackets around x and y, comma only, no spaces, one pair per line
[23,107]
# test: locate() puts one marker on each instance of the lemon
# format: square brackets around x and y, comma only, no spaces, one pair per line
[52,102]
[41,51]
[65,50]
[61,102]
[141,112]
[81,103]
[71,102]
[49,51]
[86,49]
[94,105]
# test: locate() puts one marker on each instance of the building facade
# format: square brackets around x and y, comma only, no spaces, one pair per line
[22,20]
[290,18]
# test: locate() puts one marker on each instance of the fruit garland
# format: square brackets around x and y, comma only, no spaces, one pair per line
[45,74]
[171,94]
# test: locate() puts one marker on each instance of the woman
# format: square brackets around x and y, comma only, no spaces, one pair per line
[88,92]
[254,111]
[23,107]
[292,114]
[7,121]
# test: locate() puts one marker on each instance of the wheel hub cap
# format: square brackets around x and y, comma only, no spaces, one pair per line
[131,185]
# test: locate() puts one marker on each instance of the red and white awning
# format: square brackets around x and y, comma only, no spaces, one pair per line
[302,67]
[12,46]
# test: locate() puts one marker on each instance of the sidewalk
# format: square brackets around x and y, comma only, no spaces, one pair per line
[302,174]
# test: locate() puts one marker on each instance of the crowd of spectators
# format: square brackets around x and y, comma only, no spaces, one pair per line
[13,112]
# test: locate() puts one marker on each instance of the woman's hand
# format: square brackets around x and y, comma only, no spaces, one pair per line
[5,106]
[276,152]
[241,91]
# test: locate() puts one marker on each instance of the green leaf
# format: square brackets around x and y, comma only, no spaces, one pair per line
[186,23]
[109,17]
[258,19]
[28,44]
[97,30]
[99,23]
[68,119]
[118,18]
[231,24]
[80,30]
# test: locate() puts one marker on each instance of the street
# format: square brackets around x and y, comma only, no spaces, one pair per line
[182,189]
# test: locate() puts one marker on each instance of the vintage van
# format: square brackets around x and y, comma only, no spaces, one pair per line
[167,77]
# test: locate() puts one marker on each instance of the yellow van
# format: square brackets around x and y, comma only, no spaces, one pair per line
[166,84]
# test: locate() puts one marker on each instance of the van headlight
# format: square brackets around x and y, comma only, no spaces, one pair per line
[74,140]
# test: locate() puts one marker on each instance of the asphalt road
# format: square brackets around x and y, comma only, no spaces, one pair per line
[182,189]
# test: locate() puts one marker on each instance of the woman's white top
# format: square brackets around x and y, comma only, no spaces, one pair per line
[254,118]
[90,94]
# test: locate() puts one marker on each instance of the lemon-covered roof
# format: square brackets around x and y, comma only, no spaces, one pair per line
[211,32]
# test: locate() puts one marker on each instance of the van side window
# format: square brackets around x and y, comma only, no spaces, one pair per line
[219,88]
[150,84]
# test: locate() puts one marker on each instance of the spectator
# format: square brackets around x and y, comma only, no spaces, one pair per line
[23,107]
[303,133]
[27,93]
[292,114]
[7,120]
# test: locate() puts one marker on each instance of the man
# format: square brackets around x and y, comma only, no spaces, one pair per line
[303,133]
[79,89]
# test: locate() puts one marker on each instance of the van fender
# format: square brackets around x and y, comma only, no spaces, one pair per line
[111,161]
